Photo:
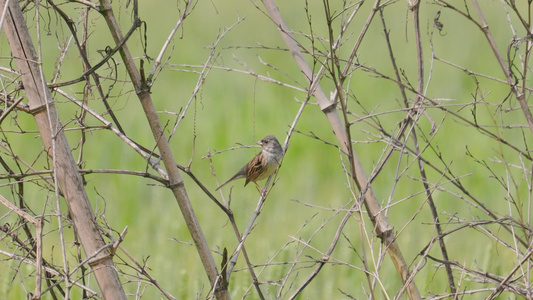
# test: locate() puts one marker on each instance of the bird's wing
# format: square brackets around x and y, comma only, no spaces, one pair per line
[255,168]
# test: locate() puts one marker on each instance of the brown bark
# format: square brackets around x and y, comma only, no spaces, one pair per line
[175,182]
[42,107]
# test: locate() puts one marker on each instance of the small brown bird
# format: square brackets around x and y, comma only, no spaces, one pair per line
[263,164]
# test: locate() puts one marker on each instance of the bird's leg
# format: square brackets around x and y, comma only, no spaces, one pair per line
[263,191]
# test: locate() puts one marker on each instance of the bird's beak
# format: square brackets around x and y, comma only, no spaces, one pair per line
[260,143]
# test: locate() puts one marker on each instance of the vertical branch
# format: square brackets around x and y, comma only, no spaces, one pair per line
[45,114]
[176,184]
[415,7]
[38,258]
[383,229]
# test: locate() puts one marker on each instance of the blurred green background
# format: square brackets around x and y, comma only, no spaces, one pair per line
[312,191]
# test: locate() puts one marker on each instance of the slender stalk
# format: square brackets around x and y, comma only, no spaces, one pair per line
[520,96]
[415,7]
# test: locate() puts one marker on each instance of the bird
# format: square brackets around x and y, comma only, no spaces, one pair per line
[262,165]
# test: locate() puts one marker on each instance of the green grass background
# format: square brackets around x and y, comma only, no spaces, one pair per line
[237,108]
